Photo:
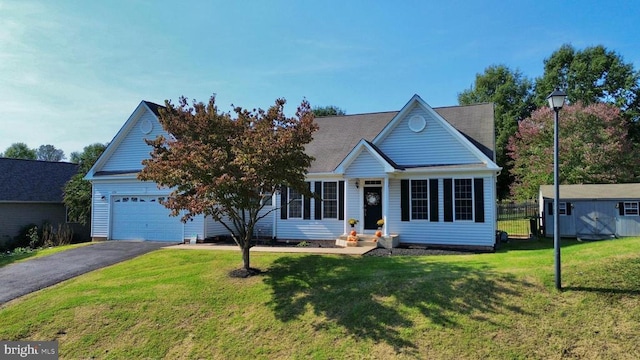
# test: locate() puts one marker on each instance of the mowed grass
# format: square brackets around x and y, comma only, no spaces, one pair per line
[181,304]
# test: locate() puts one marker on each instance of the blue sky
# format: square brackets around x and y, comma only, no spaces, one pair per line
[71,72]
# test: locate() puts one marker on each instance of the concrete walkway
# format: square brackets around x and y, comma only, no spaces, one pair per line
[356,250]
[22,278]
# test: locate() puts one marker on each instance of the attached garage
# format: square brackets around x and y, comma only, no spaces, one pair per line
[142,217]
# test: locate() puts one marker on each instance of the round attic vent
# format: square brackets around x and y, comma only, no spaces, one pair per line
[146,126]
[417,123]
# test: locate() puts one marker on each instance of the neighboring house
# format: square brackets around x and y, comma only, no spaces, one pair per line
[432,180]
[592,211]
[31,193]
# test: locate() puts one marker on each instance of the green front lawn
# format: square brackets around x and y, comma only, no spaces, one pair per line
[181,304]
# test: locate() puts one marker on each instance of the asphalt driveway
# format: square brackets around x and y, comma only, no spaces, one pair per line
[31,275]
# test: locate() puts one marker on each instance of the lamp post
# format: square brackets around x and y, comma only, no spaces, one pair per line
[556,101]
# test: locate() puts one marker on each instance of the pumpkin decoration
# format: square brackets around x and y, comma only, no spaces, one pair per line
[352,240]
[378,233]
[353,233]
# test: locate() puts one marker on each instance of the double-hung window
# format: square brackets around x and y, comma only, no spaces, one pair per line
[330,200]
[631,208]
[419,199]
[295,204]
[463,197]
[562,208]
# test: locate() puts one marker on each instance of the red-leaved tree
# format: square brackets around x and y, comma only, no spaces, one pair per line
[227,167]
[595,148]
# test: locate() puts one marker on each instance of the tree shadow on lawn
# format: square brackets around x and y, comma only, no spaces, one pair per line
[378,297]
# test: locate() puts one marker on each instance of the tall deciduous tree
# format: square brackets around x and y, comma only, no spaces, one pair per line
[592,75]
[77,191]
[49,153]
[594,148]
[330,110]
[227,166]
[20,150]
[511,93]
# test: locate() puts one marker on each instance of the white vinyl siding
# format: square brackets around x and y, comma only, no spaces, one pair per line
[443,233]
[264,227]
[133,149]
[432,146]
[102,213]
[307,229]
[365,166]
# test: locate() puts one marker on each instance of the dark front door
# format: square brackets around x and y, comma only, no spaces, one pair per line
[372,207]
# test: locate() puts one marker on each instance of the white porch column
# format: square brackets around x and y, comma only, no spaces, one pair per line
[385,205]
[345,222]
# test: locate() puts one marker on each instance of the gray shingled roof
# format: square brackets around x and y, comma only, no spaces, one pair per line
[33,181]
[154,107]
[594,191]
[338,135]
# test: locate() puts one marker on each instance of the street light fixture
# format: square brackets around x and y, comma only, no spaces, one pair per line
[556,101]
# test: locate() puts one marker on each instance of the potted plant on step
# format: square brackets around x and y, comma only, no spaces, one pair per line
[380,224]
[353,222]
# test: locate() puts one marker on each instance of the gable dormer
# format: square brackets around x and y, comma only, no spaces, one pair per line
[418,136]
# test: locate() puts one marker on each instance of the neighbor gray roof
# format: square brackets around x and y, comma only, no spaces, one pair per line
[338,135]
[33,181]
[594,191]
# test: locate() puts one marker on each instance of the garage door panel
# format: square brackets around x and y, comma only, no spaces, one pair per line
[143,218]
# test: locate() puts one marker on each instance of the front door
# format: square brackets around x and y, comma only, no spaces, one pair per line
[372,207]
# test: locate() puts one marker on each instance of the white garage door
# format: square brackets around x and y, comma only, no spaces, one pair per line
[143,218]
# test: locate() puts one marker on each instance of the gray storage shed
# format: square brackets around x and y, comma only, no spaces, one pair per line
[592,211]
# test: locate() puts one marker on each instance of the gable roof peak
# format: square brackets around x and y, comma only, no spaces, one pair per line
[153,107]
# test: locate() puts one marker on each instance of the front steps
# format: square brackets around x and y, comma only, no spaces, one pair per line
[370,240]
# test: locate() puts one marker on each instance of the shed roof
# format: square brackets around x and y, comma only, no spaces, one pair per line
[33,180]
[594,191]
[338,135]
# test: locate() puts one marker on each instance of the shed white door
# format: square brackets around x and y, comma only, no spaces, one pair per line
[143,218]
